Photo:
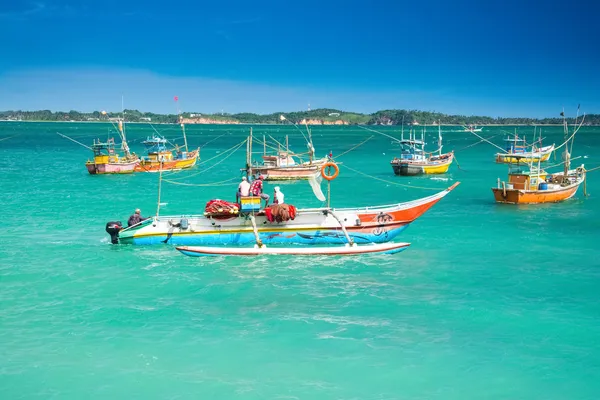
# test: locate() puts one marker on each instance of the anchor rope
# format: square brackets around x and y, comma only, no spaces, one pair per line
[231,151]
[390,182]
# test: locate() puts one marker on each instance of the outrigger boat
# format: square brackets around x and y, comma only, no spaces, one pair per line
[284,165]
[108,161]
[414,161]
[160,158]
[516,151]
[350,227]
[536,185]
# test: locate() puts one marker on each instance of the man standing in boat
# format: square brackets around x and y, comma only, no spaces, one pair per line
[256,189]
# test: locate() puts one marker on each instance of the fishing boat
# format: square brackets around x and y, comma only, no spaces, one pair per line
[159,157]
[414,160]
[107,160]
[530,184]
[516,146]
[284,165]
[310,226]
[472,128]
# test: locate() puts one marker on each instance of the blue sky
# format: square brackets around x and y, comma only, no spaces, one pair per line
[498,58]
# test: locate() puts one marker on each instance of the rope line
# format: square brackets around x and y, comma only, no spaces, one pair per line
[358,145]
[392,183]
[221,183]
[233,150]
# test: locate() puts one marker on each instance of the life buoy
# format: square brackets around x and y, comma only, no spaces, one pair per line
[332,165]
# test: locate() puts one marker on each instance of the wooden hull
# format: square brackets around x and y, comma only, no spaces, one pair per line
[516,196]
[316,226]
[530,157]
[383,248]
[111,168]
[428,167]
[171,165]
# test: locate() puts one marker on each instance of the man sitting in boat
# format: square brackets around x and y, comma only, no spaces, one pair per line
[256,189]
[136,218]
[278,196]
[243,189]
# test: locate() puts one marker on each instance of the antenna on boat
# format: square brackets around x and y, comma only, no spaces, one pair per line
[249,156]
[159,185]
[180,121]
[440,136]
[402,134]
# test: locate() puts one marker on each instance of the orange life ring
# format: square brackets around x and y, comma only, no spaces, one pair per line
[335,174]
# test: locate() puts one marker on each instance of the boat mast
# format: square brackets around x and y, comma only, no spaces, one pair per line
[249,155]
[180,121]
[124,145]
[440,136]
[566,153]
[402,131]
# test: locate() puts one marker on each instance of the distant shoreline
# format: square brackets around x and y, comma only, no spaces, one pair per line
[266,124]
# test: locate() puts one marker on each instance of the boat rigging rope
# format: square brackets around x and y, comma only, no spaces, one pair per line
[358,145]
[227,182]
[212,140]
[231,151]
[381,133]
[493,144]
[73,140]
[6,138]
[390,182]
[474,144]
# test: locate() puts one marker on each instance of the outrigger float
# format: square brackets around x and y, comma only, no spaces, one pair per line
[365,230]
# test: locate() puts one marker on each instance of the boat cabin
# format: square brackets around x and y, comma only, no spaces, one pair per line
[104,152]
[515,145]
[412,150]
[283,159]
[521,179]
[156,148]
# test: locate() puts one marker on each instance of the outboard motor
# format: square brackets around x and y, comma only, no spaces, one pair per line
[113,228]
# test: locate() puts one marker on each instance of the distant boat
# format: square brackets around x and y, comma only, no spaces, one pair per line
[108,161]
[159,157]
[284,165]
[517,146]
[533,185]
[472,128]
[415,161]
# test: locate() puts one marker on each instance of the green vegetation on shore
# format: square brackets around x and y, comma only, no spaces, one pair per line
[326,115]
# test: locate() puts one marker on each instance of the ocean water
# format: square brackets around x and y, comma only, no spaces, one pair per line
[490,301]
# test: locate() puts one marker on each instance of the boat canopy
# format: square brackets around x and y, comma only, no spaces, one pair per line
[155,145]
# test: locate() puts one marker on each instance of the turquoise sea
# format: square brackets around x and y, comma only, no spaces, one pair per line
[489,302]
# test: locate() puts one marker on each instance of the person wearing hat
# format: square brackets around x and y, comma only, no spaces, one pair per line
[278,196]
[136,218]
[243,189]
[256,189]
